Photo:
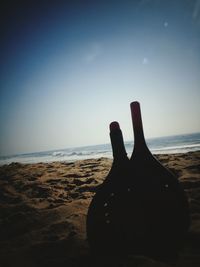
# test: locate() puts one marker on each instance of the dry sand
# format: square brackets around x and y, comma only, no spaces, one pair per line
[43,210]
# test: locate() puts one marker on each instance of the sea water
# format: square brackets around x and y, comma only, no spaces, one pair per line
[161,145]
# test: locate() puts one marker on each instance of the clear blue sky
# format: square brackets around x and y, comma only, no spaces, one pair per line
[69,68]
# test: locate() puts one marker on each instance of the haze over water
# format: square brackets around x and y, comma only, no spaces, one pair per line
[69,68]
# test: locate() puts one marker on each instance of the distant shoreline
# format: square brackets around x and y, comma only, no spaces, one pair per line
[95,158]
[164,145]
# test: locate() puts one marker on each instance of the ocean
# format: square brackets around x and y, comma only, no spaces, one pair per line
[161,145]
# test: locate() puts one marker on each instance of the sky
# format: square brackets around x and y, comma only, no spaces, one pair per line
[69,68]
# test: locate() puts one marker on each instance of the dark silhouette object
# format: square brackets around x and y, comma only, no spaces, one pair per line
[140,208]
[104,220]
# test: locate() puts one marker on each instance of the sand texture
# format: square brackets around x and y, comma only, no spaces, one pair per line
[43,210]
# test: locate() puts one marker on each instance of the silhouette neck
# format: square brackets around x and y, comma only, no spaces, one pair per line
[117,142]
[139,140]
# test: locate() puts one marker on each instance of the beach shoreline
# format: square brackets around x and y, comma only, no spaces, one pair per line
[174,144]
[43,210]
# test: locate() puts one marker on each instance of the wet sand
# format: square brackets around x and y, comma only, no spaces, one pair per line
[43,210]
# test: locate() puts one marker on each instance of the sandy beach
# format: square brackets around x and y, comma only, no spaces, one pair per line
[43,210]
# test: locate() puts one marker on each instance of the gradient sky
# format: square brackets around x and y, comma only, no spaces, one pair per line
[69,68]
